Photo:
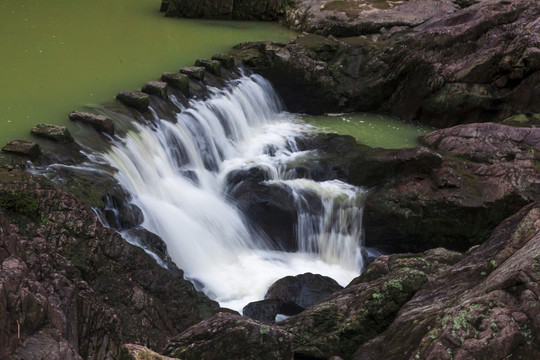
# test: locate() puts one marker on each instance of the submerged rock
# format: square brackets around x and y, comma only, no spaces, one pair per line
[227,9]
[22,147]
[99,122]
[134,99]
[56,133]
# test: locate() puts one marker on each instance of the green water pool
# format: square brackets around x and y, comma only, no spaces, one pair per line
[61,55]
[371,129]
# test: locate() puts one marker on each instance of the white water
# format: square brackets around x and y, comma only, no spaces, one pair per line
[177,173]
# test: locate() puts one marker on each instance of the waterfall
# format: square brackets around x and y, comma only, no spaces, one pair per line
[177,173]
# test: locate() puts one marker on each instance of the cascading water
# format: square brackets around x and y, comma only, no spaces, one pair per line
[177,174]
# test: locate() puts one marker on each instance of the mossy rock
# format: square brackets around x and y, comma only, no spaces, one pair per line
[212,66]
[56,133]
[134,99]
[158,88]
[176,80]
[194,72]
[226,60]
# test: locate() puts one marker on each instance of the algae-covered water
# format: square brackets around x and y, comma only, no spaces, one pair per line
[371,129]
[60,55]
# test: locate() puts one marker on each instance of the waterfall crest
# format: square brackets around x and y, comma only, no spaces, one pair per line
[177,175]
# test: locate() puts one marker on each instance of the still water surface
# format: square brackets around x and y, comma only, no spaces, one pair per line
[60,55]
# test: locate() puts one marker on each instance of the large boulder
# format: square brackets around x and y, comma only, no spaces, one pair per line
[451,69]
[301,291]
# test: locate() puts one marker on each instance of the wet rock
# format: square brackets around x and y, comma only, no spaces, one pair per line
[179,81]
[226,60]
[229,336]
[264,310]
[22,147]
[134,99]
[297,293]
[271,208]
[194,72]
[99,122]
[56,133]
[212,66]
[157,88]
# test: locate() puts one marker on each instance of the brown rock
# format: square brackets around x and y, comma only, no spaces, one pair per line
[23,147]
[99,122]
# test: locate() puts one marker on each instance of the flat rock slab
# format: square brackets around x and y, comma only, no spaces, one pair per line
[134,99]
[212,66]
[158,88]
[24,148]
[99,122]
[176,80]
[195,72]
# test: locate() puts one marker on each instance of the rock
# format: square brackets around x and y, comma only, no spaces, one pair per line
[349,317]
[270,207]
[430,73]
[179,81]
[484,307]
[99,122]
[79,290]
[264,310]
[134,352]
[157,88]
[486,142]
[212,66]
[300,292]
[350,18]
[226,60]
[56,133]
[195,72]
[229,336]
[228,9]
[134,99]
[22,147]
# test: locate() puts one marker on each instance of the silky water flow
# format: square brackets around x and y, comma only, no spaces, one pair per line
[176,172]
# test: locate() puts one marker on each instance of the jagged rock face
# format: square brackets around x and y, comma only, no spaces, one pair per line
[473,65]
[71,289]
[485,307]
[226,9]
